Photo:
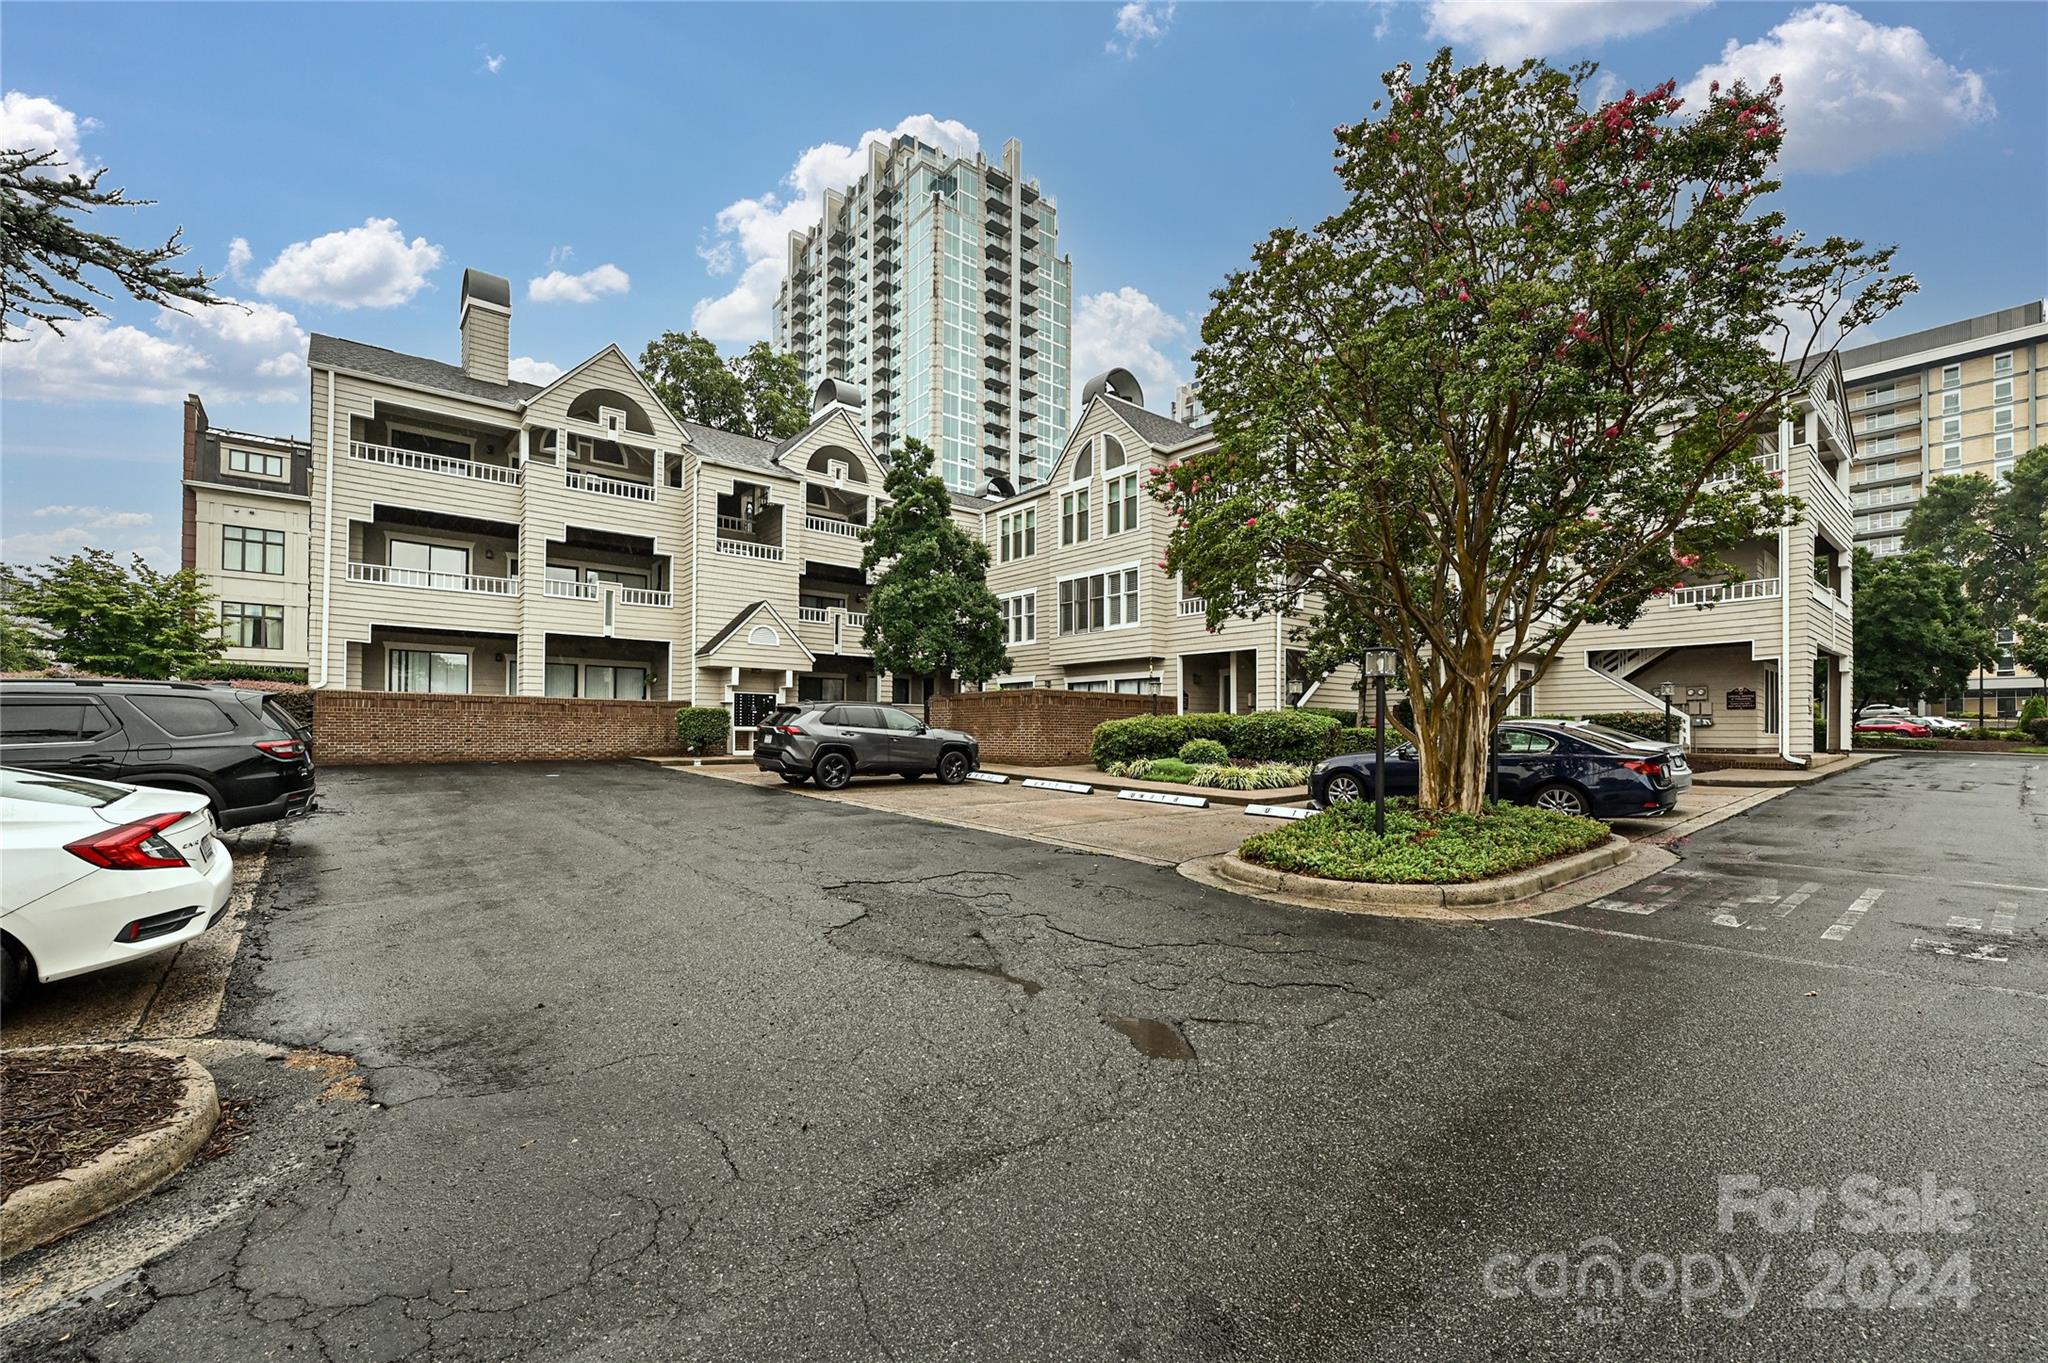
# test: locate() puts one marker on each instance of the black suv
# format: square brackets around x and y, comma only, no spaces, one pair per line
[831,742]
[239,749]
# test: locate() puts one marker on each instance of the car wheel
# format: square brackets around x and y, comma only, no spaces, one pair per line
[952,768]
[1344,789]
[13,974]
[795,778]
[1562,800]
[834,770]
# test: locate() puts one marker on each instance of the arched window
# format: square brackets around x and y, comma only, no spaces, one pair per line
[764,636]
[1112,453]
[1084,461]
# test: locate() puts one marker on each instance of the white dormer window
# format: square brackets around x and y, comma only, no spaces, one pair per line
[1084,462]
[837,470]
[1112,453]
[613,420]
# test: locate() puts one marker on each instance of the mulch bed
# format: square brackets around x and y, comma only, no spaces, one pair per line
[59,1110]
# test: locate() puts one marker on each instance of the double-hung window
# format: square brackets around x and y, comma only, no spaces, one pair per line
[1107,600]
[1952,401]
[248,624]
[245,549]
[2001,418]
[1122,504]
[1074,516]
[1017,535]
[1952,376]
[1020,618]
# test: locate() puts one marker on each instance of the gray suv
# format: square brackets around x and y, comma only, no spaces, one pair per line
[831,743]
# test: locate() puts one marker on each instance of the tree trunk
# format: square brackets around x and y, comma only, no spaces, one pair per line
[1455,738]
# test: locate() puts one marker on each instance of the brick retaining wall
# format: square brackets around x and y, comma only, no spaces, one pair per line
[361,728]
[1036,728]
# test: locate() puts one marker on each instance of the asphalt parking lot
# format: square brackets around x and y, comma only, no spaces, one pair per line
[658,1066]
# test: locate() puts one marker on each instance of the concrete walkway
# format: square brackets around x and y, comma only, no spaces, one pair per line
[1752,777]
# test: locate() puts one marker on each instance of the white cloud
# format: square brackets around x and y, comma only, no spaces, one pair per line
[239,351]
[560,255]
[1127,330]
[1854,90]
[557,286]
[95,517]
[32,123]
[1140,22]
[526,369]
[372,266]
[36,546]
[1506,31]
[239,259]
[494,62]
[753,234]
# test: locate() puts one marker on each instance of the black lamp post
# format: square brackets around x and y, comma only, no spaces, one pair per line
[1379,663]
[1666,690]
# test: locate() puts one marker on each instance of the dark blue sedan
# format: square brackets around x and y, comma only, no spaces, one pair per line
[1566,765]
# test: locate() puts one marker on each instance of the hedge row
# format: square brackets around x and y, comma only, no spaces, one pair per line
[243,672]
[1642,723]
[1297,736]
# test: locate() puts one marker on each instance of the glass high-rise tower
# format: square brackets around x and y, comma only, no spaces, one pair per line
[935,285]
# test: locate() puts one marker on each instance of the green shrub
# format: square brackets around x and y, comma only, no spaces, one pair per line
[703,729]
[1265,776]
[2038,728]
[243,672]
[1820,737]
[1894,741]
[297,704]
[1422,848]
[1349,739]
[1166,769]
[2013,735]
[1203,752]
[1281,736]
[2035,708]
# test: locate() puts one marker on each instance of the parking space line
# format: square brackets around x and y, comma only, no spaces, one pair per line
[1852,915]
[1956,920]
[2001,919]
[1934,946]
[1765,896]
[1799,896]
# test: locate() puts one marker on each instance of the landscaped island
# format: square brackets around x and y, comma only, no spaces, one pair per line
[1422,848]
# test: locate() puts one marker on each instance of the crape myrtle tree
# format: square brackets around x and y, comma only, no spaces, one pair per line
[1514,385]
[931,613]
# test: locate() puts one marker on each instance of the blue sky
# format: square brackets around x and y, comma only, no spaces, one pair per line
[612,161]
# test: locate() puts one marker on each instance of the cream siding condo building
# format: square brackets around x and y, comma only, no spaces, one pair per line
[1960,398]
[246,525]
[934,284]
[1757,664]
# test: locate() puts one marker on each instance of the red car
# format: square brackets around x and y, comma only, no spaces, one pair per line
[1897,728]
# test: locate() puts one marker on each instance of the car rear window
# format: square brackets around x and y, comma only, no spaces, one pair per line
[780,716]
[857,717]
[1620,738]
[283,718]
[35,719]
[185,716]
[52,788]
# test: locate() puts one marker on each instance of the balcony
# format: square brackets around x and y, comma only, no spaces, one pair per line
[767,553]
[1756,589]
[645,596]
[1192,605]
[600,485]
[571,591]
[832,525]
[433,463]
[423,579]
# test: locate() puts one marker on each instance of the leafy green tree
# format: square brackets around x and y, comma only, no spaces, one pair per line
[47,254]
[759,393]
[2030,649]
[931,613]
[1918,633]
[21,648]
[1515,383]
[1997,535]
[114,621]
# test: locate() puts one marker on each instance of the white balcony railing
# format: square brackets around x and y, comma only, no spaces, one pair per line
[738,525]
[1756,589]
[1829,598]
[771,553]
[386,575]
[645,596]
[858,619]
[573,591]
[827,525]
[1193,605]
[812,615]
[433,463]
[610,487]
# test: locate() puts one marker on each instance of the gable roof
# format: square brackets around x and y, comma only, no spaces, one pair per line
[1163,431]
[333,352]
[657,408]
[730,447]
[748,612]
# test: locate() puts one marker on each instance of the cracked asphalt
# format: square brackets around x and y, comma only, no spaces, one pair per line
[660,1067]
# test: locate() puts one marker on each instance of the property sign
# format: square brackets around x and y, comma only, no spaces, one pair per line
[993,777]
[1278,811]
[1160,797]
[1070,787]
[1742,698]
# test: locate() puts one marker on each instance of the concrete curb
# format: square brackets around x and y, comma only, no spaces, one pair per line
[1105,784]
[45,1211]
[1502,897]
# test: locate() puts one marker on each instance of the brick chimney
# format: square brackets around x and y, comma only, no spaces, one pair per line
[486,326]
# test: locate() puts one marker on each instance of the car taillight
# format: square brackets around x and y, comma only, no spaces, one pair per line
[789,729]
[1651,769]
[283,749]
[138,846]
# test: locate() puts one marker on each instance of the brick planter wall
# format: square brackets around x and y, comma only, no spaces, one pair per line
[363,728]
[1036,728]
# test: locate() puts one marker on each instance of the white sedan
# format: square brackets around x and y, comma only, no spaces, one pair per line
[99,874]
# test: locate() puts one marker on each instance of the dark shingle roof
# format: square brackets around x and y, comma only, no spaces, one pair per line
[727,447]
[413,369]
[746,613]
[1160,430]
